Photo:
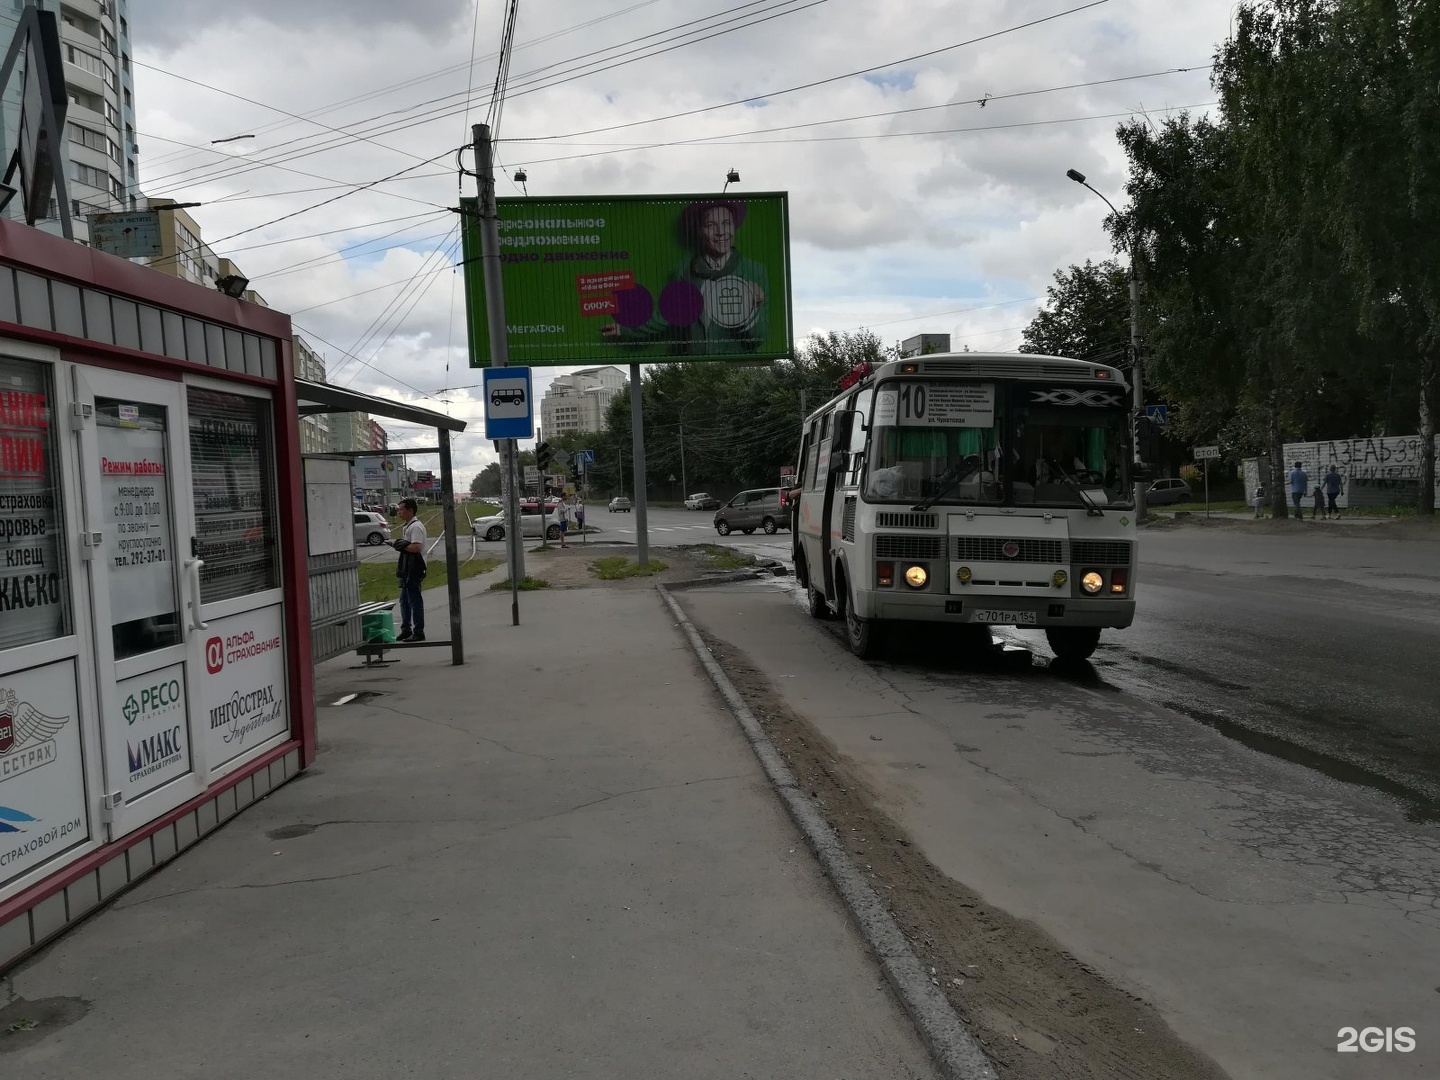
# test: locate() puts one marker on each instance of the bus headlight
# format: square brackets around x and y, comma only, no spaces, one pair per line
[1092,581]
[916,577]
[963,575]
[1061,577]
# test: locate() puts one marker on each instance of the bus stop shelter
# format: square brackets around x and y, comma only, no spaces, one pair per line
[336,611]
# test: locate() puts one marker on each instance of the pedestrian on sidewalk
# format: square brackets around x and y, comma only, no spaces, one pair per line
[1333,485]
[1299,485]
[567,518]
[410,573]
[1260,497]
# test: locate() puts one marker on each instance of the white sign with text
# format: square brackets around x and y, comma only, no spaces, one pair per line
[157,739]
[242,693]
[42,777]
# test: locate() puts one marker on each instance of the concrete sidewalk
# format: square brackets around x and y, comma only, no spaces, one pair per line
[560,860]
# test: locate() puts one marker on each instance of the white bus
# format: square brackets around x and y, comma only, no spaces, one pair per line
[991,489]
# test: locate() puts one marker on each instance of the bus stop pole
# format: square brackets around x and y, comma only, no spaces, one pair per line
[452,557]
[499,348]
[637,466]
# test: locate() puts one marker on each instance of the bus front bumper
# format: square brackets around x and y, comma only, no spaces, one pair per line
[996,610]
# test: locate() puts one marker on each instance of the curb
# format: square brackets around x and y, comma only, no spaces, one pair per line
[717,579]
[954,1049]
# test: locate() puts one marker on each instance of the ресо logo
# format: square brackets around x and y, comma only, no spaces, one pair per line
[214,655]
[131,709]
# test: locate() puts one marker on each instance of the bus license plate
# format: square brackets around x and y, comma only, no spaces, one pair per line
[1003,618]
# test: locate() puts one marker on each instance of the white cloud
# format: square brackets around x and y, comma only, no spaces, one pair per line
[907,233]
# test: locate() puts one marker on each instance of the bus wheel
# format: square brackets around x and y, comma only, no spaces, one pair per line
[818,607]
[1073,642]
[861,635]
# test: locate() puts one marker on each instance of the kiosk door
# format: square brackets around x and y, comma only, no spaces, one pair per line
[138,514]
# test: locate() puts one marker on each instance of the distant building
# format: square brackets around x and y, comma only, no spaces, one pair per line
[578,402]
[314,430]
[99,148]
[923,344]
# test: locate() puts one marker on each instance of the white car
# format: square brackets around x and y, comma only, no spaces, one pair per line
[493,528]
[701,501]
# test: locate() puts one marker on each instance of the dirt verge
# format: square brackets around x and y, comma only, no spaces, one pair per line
[1039,1013]
[569,567]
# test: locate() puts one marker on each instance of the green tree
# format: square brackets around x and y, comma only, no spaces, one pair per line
[1086,315]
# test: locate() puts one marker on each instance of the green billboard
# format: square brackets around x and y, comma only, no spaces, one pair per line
[635,279]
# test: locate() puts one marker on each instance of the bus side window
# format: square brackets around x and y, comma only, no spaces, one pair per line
[859,435]
[812,455]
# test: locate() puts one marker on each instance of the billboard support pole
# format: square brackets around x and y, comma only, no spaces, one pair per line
[637,466]
[499,349]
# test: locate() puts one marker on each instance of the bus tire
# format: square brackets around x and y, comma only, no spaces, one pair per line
[1073,642]
[862,635]
[769,526]
[815,601]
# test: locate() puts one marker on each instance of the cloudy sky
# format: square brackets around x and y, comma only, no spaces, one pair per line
[913,207]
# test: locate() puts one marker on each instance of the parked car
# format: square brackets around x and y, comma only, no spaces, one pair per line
[701,501]
[1161,492]
[493,527]
[619,505]
[758,508]
[371,528]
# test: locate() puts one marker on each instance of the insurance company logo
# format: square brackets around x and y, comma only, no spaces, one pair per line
[1010,549]
[131,709]
[12,820]
[27,736]
[214,655]
[1092,398]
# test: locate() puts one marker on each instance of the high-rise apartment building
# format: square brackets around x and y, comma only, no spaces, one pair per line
[99,149]
[578,402]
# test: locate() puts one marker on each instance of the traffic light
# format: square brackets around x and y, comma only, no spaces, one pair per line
[542,457]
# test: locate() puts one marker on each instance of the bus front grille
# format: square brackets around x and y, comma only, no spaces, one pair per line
[992,549]
[909,547]
[1100,552]
[905,521]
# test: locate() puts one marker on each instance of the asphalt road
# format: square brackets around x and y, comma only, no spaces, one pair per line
[1310,643]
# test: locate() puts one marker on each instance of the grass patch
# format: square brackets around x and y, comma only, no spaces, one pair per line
[618,568]
[718,557]
[377,580]
[527,584]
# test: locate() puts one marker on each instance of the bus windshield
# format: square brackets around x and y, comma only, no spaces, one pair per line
[932,439]
[998,444]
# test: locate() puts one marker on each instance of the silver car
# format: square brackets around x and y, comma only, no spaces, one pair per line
[371,528]
[1169,490]
[493,527]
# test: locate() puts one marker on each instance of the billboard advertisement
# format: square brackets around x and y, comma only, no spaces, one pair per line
[636,279]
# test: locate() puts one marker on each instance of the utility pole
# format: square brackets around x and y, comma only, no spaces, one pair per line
[1136,383]
[637,462]
[499,350]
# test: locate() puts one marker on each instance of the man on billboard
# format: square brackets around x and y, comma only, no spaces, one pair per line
[714,301]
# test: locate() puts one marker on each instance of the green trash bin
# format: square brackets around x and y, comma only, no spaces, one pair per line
[378,627]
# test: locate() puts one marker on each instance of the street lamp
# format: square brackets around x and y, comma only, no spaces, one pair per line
[684,482]
[1138,408]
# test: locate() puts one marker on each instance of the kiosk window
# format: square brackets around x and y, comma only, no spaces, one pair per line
[231,463]
[34,582]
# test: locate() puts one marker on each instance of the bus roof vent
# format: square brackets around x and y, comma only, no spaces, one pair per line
[1043,369]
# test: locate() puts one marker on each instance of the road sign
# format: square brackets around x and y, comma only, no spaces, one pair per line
[509,413]
[585,457]
[1206,453]
[1159,415]
[559,457]
[532,474]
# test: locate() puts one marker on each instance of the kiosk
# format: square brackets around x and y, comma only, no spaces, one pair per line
[155,663]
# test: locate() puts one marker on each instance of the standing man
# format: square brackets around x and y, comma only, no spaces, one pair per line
[1332,492]
[1299,486]
[410,572]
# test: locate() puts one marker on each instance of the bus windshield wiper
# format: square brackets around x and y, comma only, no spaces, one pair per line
[970,465]
[1092,508]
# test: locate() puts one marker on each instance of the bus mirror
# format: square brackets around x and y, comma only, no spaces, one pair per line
[840,435]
